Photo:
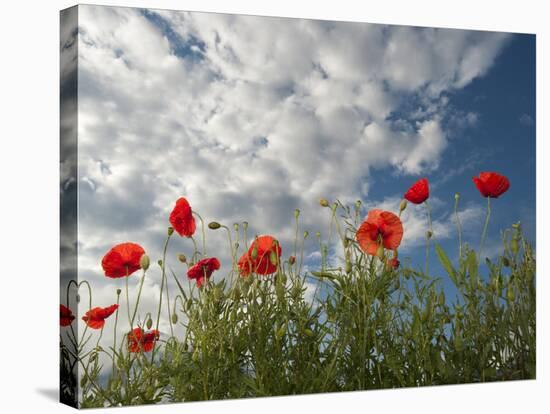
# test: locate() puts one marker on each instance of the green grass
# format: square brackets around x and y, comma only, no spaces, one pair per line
[367,328]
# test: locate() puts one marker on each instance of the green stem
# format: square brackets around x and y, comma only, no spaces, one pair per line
[114,333]
[485,227]
[163,267]
[428,236]
[137,300]
[459,228]
[128,300]
[203,234]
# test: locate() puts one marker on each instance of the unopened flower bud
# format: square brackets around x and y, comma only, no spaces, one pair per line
[214,225]
[348,267]
[324,202]
[457,196]
[170,230]
[118,292]
[306,233]
[159,261]
[292,260]
[297,213]
[514,245]
[182,258]
[273,258]
[144,262]
[174,318]
[149,323]
[309,332]
[236,226]
[245,225]
[358,204]
[429,234]
[254,254]
[318,234]
[402,205]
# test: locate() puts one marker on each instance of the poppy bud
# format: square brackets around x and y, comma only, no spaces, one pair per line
[358,204]
[174,318]
[281,332]
[441,299]
[402,205]
[245,225]
[309,332]
[429,234]
[306,233]
[214,225]
[236,226]
[296,213]
[254,254]
[318,234]
[118,292]
[514,245]
[159,262]
[182,258]
[292,260]
[149,323]
[170,230]
[457,196]
[273,258]
[144,262]
[324,202]
[380,252]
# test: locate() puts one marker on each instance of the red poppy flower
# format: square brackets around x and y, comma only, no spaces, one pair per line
[95,318]
[181,218]
[392,263]
[380,227]
[418,192]
[491,184]
[122,260]
[262,257]
[139,340]
[65,315]
[245,264]
[203,269]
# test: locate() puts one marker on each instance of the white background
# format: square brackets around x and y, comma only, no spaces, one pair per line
[29,205]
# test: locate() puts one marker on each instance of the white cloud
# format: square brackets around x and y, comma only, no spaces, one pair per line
[260,116]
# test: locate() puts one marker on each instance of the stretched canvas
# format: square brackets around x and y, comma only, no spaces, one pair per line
[261,206]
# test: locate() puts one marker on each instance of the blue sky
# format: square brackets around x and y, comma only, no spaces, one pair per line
[250,118]
[502,139]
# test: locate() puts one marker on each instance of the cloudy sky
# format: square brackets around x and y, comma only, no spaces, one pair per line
[250,118]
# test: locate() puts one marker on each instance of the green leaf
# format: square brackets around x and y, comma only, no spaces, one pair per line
[446,263]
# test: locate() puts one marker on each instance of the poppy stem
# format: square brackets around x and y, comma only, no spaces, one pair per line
[203,234]
[130,321]
[163,267]
[137,300]
[485,227]
[459,228]
[114,333]
[429,234]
